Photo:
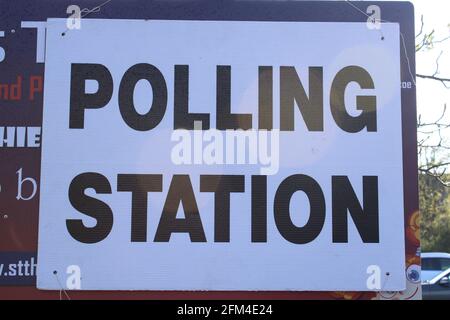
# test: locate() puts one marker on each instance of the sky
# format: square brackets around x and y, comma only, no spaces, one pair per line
[431,95]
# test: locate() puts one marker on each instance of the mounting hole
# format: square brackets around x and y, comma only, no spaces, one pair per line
[5,216]
[13,30]
[388,274]
[55,272]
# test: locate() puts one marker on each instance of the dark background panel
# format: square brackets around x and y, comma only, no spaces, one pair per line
[18,232]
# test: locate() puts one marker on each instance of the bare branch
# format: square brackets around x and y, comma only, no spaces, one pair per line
[444,81]
[421,27]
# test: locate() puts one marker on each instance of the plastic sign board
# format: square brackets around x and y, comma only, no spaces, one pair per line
[220,155]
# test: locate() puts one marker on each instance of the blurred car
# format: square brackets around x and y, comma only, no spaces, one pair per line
[433,264]
[437,288]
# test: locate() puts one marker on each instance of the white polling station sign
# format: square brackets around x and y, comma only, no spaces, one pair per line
[220,155]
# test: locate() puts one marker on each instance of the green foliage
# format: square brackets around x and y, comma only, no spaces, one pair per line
[434,201]
[427,42]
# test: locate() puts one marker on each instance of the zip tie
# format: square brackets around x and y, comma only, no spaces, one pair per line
[413,78]
[61,287]
[384,285]
[95,9]
[89,11]
[364,13]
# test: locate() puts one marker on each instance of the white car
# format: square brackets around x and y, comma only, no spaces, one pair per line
[433,263]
